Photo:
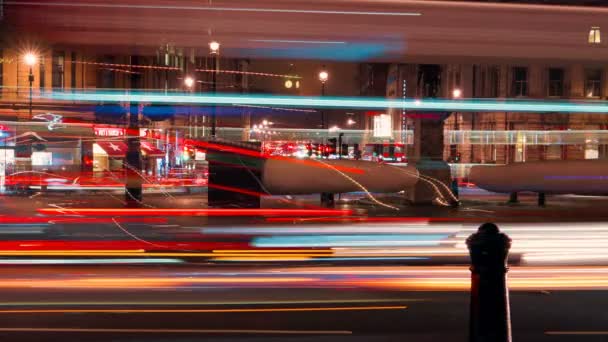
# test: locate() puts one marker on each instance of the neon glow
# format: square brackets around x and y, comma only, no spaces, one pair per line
[296,41]
[340,102]
[194,212]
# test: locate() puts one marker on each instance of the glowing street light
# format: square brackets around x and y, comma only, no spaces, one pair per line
[456,93]
[323,76]
[350,122]
[30,59]
[189,82]
[214,47]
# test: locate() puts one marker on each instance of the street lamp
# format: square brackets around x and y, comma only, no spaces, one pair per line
[214,47]
[350,122]
[189,82]
[214,50]
[30,60]
[456,93]
[323,77]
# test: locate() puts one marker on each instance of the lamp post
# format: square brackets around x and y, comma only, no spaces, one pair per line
[30,59]
[323,77]
[189,83]
[214,49]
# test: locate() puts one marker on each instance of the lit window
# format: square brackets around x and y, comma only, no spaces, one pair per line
[594,35]
[383,125]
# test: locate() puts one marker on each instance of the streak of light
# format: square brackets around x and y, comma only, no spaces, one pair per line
[336,308]
[369,194]
[374,219]
[116,245]
[209,8]
[263,258]
[285,41]
[196,212]
[222,71]
[96,261]
[355,229]
[97,253]
[148,282]
[179,331]
[347,240]
[278,251]
[237,190]
[344,102]
[285,109]
[375,301]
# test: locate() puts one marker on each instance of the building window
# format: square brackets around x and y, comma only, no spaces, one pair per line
[593,82]
[556,82]
[1,69]
[493,81]
[382,126]
[73,70]
[58,68]
[42,72]
[595,35]
[520,82]
[105,78]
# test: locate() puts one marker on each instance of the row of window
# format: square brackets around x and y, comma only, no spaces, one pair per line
[555,82]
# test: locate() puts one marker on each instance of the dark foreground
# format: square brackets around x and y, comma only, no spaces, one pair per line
[93,303]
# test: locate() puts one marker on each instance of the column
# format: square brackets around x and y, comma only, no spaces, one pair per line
[427,158]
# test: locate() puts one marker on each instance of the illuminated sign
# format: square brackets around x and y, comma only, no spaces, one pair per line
[383,126]
[121,132]
[109,131]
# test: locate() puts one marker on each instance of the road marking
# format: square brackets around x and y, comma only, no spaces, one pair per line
[337,308]
[181,331]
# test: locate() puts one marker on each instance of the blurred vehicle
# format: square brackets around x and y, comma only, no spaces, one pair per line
[385,152]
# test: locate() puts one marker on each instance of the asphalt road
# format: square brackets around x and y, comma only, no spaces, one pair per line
[129,304]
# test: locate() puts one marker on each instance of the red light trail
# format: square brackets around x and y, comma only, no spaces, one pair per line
[194,212]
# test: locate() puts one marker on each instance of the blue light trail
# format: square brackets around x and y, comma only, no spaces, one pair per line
[474,105]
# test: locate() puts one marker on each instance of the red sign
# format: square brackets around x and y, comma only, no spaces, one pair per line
[109,131]
[101,131]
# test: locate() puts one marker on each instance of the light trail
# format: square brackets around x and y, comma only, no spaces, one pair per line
[140,311]
[178,331]
[209,8]
[339,102]
[195,212]
[334,302]
[394,278]
[285,41]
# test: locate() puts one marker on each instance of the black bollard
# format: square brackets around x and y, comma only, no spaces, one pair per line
[490,319]
[541,199]
[327,200]
[513,198]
